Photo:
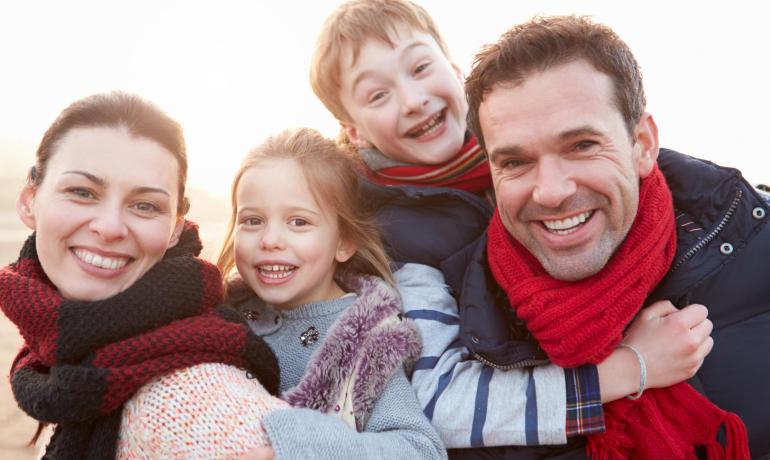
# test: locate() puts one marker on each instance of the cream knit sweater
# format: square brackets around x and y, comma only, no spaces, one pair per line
[210,410]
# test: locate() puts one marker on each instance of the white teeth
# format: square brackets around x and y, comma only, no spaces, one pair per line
[276,271]
[564,225]
[429,126]
[109,263]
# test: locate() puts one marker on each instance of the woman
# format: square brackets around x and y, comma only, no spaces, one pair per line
[125,345]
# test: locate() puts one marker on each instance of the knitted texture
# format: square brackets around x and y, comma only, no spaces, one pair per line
[82,360]
[583,322]
[210,410]
[467,170]
[365,346]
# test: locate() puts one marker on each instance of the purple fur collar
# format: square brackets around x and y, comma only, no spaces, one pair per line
[368,342]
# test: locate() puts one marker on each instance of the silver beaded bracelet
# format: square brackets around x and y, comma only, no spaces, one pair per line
[642,373]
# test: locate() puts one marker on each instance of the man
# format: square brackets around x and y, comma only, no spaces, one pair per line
[558,105]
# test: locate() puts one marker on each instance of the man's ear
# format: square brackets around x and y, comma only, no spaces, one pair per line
[646,135]
[25,206]
[178,228]
[345,250]
[354,137]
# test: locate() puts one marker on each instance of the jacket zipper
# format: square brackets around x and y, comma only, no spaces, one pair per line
[707,239]
[519,365]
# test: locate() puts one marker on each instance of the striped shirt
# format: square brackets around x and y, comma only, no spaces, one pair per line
[529,406]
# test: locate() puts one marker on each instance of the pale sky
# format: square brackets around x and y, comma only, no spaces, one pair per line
[234,72]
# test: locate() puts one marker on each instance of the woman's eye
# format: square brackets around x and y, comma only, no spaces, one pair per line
[146,207]
[81,192]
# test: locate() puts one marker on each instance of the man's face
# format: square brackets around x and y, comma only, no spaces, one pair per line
[565,171]
[407,100]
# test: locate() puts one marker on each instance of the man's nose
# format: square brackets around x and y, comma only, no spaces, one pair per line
[554,183]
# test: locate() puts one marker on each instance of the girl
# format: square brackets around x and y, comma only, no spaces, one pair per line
[301,242]
[126,350]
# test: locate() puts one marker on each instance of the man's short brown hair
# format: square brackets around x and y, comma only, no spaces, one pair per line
[351,24]
[546,42]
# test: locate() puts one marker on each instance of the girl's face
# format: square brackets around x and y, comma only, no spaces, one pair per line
[287,245]
[105,212]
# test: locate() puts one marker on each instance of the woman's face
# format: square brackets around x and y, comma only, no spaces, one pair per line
[105,212]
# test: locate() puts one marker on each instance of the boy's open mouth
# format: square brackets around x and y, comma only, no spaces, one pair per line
[429,126]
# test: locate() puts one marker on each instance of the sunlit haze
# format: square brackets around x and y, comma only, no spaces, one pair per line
[233,72]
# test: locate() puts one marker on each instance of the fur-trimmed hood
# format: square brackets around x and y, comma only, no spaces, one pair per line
[368,343]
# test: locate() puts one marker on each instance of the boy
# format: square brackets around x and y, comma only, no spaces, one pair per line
[383,70]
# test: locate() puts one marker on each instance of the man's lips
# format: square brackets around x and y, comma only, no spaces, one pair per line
[567,225]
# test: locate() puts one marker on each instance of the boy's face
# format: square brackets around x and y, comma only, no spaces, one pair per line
[407,101]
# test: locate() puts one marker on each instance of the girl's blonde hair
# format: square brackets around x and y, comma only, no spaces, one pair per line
[333,180]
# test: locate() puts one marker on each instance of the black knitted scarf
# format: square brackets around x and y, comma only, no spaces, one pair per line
[81,361]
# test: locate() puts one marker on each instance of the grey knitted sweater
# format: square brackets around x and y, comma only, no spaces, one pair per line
[396,428]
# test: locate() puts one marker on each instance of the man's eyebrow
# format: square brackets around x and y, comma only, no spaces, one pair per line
[506,151]
[579,131]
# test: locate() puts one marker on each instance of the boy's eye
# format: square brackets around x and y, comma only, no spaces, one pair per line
[377,96]
[422,67]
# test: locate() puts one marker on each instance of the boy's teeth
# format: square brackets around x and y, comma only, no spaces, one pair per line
[428,127]
[564,226]
[109,263]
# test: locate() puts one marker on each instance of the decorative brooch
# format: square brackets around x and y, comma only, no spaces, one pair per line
[309,337]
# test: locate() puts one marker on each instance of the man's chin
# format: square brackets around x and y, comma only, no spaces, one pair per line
[572,268]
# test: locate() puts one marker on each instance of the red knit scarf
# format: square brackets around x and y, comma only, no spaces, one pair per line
[82,360]
[583,322]
[468,170]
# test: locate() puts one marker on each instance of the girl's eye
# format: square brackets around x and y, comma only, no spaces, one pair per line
[298,222]
[251,221]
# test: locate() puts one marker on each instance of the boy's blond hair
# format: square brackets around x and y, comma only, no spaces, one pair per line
[351,24]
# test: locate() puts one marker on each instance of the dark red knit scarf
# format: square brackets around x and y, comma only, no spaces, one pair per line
[468,170]
[582,322]
[82,360]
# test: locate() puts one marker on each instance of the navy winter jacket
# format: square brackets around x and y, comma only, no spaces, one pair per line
[722,261]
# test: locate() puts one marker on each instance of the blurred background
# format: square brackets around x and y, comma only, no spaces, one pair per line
[234,72]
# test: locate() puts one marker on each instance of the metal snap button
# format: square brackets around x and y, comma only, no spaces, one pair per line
[475,339]
[758,213]
[726,249]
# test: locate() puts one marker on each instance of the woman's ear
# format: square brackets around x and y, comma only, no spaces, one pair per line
[25,206]
[178,228]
